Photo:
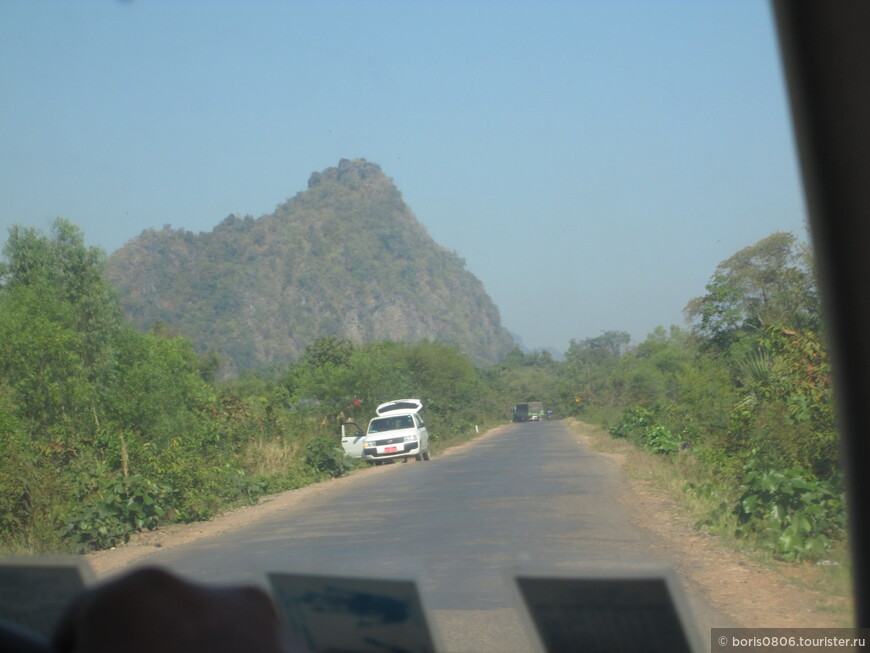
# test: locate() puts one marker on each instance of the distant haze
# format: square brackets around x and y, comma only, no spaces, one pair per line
[592,162]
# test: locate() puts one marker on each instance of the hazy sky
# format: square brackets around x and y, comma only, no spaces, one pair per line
[591,161]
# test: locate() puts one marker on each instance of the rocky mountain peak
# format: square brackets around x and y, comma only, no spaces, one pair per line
[345,258]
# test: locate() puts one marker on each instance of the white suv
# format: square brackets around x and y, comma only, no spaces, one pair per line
[397,432]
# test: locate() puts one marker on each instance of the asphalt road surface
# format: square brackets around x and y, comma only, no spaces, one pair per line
[529,495]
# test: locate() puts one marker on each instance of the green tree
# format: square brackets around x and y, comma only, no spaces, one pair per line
[328,351]
[380,372]
[786,409]
[88,404]
[766,284]
[58,321]
[66,272]
[324,375]
[588,367]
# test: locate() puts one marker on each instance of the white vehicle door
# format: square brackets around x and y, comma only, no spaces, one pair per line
[352,439]
[424,434]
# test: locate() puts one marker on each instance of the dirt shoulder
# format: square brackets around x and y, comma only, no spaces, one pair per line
[752,594]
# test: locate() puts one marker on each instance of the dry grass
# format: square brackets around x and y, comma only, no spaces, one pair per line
[268,458]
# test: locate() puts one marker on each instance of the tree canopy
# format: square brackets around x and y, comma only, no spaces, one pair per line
[768,283]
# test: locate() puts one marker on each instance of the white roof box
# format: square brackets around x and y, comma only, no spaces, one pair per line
[404,405]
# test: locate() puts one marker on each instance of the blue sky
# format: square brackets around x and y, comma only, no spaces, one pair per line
[591,161]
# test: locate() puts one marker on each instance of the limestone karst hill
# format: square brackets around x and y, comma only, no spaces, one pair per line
[344,258]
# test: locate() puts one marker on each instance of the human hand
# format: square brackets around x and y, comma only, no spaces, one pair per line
[151,610]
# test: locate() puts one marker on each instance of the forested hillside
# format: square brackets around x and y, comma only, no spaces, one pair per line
[345,258]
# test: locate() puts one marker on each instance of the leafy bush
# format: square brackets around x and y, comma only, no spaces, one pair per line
[634,420]
[639,424]
[660,440]
[327,458]
[241,485]
[792,509]
[124,506]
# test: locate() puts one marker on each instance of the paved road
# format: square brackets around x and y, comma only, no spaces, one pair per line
[530,494]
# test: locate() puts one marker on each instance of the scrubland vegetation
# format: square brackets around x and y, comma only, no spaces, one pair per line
[106,430]
[741,401]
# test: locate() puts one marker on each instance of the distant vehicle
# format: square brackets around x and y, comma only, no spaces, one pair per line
[530,412]
[397,432]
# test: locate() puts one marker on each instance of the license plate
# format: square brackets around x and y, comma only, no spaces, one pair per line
[391,449]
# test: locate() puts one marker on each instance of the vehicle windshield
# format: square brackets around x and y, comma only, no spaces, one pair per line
[572,231]
[381,424]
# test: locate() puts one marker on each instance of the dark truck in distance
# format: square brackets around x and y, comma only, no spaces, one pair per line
[530,412]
